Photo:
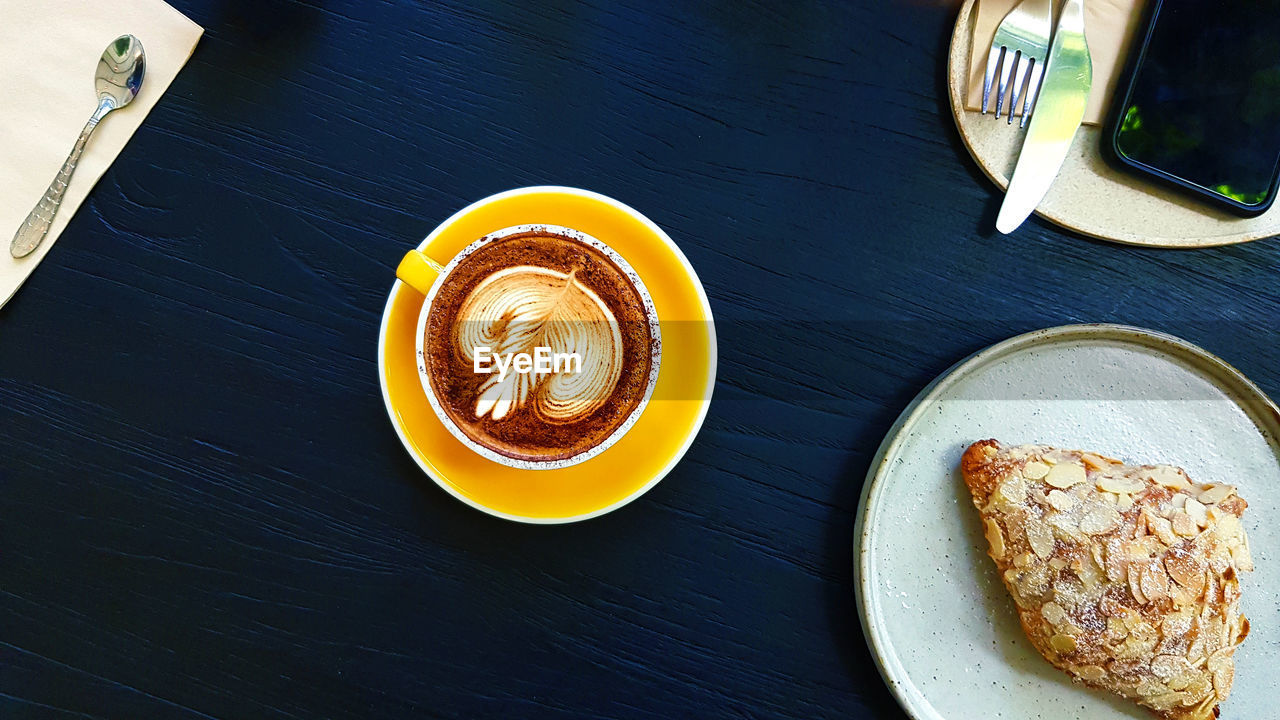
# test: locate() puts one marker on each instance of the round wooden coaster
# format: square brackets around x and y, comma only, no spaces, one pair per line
[1088,195]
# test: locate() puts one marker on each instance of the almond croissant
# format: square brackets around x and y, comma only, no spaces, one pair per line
[1125,577]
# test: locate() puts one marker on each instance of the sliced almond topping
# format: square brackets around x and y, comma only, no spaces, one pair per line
[1234,505]
[1180,682]
[1139,642]
[1162,529]
[1095,461]
[1009,496]
[1060,500]
[1198,512]
[1116,560]
[1149,688]
[1040,537]
[1100,521]
[1187,569]
[1063,643]
[1035,495]
[1243,557]
[1035,470]
[1065,475]
[1032,584]
[1220,560]
[1167,702]
[1199,688]
[1054,613]
[1140,549]
[1169,477]
[1135,586]
[1023,560]
[1183,524]
[1120,484]
[1230,594]
[1176,625]
[1133,621]
[1216,494]
[1087,571]
[1155,581]
[1216,514]
[1066,523]
[1228,528]
[1167,667]
[1210,592]
[1195,653]
[1091,673]
[1223,670]
[996,538]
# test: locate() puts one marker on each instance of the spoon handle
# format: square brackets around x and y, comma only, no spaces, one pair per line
[36,226]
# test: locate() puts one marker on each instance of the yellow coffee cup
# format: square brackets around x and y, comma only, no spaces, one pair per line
[637,461]
[428,277]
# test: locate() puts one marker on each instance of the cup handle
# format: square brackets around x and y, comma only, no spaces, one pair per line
[418,271]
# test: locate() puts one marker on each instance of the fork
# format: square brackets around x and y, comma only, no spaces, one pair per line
[1020,48]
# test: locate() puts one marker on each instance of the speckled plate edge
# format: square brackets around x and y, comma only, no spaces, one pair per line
[1088,196]
[1251,400]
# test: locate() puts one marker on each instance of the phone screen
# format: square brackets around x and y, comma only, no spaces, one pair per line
[1204,103]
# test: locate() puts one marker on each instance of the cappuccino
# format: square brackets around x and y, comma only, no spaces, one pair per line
[540,344]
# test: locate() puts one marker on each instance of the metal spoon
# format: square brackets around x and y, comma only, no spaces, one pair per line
[117,81]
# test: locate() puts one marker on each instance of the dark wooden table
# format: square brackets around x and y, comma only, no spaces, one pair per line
[206,513]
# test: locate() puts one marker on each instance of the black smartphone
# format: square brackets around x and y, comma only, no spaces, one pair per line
[1199,105]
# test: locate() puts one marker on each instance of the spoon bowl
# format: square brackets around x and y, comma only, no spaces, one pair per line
[120,70]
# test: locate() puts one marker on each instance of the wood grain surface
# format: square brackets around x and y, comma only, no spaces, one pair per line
[206,513]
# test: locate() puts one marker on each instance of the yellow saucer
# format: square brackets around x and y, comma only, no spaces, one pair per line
[653,445]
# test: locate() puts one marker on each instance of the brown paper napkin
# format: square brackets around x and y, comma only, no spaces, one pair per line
[56,45]
[1108,26]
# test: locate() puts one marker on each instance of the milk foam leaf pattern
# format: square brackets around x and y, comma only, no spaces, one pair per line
[519,309]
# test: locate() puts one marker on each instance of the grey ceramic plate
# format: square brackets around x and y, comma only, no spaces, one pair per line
[939,623]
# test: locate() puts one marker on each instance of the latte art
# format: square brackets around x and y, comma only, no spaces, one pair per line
[541,345]
[520,309]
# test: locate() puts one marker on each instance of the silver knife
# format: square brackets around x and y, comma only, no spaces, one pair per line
[1059,110]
